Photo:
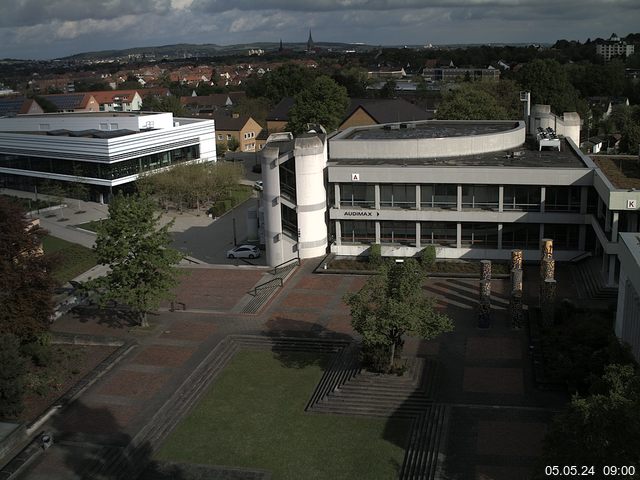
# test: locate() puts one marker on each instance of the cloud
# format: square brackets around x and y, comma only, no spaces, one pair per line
[33,12]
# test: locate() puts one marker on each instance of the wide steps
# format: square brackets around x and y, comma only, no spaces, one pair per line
[426,444]
[591,284]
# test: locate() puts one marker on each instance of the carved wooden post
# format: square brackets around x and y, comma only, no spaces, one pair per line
[484,307]
[516,311]
[516,259]
[485,269]
[548,303]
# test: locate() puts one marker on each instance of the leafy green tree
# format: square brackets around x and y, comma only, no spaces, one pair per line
[233,144]
[469,101]
[600,429]
[77,188]
[549,85]
[137,251]
[354,79]
[324,102]
[391,304]
[163,104]
[257,108]
[388,90]
[26,286]
[12,371]
[285,81]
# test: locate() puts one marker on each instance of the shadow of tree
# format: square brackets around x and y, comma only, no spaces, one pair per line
[116,318]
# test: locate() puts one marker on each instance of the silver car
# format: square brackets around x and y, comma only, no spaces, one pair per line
[244,251]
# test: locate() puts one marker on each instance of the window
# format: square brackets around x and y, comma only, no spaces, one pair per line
[439,196]
[562,199]
[357,195]
[220,137]
[398,195]
[521,235]
[521,197]
[398,232]
[565,237]
[113,126]
[228,136]
[104,126]
[439,233]
[480,197]
[479,235]
[358,231]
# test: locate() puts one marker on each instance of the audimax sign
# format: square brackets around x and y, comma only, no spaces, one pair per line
[359,213]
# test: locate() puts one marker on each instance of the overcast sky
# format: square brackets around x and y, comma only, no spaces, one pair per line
[55,28]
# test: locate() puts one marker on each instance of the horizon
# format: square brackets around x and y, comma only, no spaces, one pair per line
[63,28]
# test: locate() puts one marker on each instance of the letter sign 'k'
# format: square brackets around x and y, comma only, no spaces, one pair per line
[355,177]
[632,204]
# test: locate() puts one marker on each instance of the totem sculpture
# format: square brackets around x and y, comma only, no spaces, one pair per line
[484,307]
[516,312]
[547,282]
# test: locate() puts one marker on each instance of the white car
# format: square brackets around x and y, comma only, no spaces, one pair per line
[258,185]
[244,251]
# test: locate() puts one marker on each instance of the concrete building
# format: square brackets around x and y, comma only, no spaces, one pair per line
[627,325]
[614,47]
[107,151]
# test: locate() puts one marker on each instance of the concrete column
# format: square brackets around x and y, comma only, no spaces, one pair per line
[632,222]
[611,279]
[459,199]
[607,221]
[376,193]
[501,199]
[377,232]
[418,246]
[622,290]
[584,196]
[336,193]
[418,198]
[458,235]
[600,205]
[499,236]
[338,232]
[543,194]
[615,217]
[582,237]
[274,243]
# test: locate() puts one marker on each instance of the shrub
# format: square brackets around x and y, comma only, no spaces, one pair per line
[428,257]
[12,371]
[375,255]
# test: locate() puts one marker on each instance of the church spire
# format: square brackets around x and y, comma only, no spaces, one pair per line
[280,48]
[310,45]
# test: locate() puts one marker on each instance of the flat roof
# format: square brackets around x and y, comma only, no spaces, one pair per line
[526,156]
[90,114]
[623,171]
[430,129]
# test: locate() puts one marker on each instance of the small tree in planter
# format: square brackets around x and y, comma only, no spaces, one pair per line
[428,257]
[391,304]
[375,255]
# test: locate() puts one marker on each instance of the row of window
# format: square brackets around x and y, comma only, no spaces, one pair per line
[473,235]
[445,196]
[107,171]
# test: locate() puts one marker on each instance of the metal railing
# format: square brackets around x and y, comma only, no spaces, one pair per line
[264,285]
[287,263]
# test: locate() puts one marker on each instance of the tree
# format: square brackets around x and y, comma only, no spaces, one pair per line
[233,144]
[324,102]
[392,304]
[26,287]
[388,90]
[285,81]
[137,252]
[77,188]
[600,429]
[469,101]
[164,104]
[12,371]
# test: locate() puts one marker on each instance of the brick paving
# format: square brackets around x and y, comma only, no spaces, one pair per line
[489,368]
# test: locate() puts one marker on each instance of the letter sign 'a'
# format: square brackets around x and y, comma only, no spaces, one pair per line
[632,204]
[355,177]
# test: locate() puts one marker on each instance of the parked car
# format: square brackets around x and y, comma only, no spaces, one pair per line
[244,251]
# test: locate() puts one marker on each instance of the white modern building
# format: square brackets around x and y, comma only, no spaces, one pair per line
[107,151]
[627,325]
[614,47]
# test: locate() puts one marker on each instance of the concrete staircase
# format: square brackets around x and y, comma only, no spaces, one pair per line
[261,294]
[590,282]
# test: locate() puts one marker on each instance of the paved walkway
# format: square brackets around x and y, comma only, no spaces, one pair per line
[497,418]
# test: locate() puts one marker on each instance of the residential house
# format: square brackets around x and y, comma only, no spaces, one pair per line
[372,111]
[73,102]
[209,104]
[278,117]
[118,100]
[12,106]
[243,128]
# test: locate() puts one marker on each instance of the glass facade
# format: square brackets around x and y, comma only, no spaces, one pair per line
[106,171]
[565,237]
[439,196]
[479,235]
[398,195]
[521,235]
[403,233]
[484,197]
[439,233]
[289,221]
[357,195]
[521,197]
[358,232]
[562,199]
[287,172]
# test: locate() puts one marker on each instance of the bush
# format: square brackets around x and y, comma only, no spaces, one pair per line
[428,257]
[39,353]
[375,357]
[375,255]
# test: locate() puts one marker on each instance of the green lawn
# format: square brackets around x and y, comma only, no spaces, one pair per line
[92,225]
[70,259]
[253,417]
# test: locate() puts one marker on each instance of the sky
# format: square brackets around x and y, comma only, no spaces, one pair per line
[44,29]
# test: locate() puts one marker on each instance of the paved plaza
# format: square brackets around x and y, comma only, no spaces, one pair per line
[497,418]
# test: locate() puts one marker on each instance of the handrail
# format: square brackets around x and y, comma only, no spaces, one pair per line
[262,285]
[275,269]
[580,257]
